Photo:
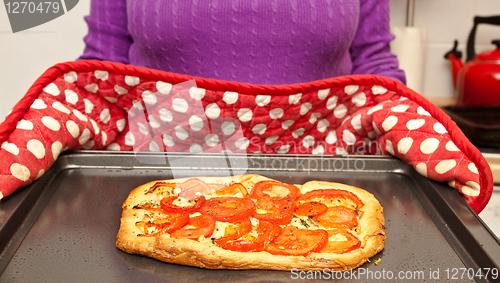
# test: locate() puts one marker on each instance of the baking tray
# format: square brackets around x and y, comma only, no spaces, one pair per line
[62,228]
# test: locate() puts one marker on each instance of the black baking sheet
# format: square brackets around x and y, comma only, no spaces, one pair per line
[63,227]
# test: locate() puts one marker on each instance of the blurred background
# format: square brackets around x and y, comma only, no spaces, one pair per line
[425,30]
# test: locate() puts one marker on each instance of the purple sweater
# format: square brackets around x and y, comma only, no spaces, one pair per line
[253,41]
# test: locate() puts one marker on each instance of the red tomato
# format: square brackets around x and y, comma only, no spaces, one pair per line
[340,247]
[331,194]
[229,209]
[233,189]
[244,246]
[295,241]
[234,232]
[263,188]
[277,209]
[166,224]
[202,225]
[311,208]
[193,187]
[337,217]
[167,204]
[267,231]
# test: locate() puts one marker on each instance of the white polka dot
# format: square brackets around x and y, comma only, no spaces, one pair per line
[305,107]
[359,99]
[89,106]
[299,132]
[154,147]
[196,123]
[276,113]
[242,143]
[97,130]
[101,75]
[230,97]
[404,145]
[415,124]
[120,124]
[284,149]
[71,77]
[429,145]
[262,100]
[271,140]
[294,98]
[445,166]
[181,133]
[21,172]
[56,149]
[439,128]
[340,111]
[389,123]
[318,150]
[323,93]
[389,147]
[308,141]
[323,125]
[10,147]
[351,89]
[51,123]
[36,148]
[471,188]
[89,145]
[450,146]
[24,125]
[287,124]
[245,114]
[104,138]
[371,135]
[180,105]
[80,116]
[165,115]
[85,137]
[259,129]
[163,87]
[472,167]
[195,148]
[331,138]
[113,147]
[73,128]
[314,117]
[422,111]
[376,129]
[212,111]
[348,137]
[341,151]
[92,88]
[211,140]
[377,89]
[38,104]
[197,93]
[120,90]
[331,102]
[375,109]
[143,129]
[60,107]
[40,174]
[104,116]
[111,99]
[228,128]
[153,122]
[356,122]
[52,89]
[129,139]
[422,169]
[168,140]
[149,98]
[400,108]
[132,81]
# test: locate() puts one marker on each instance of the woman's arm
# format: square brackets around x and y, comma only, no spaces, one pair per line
[370,49]
[108,38]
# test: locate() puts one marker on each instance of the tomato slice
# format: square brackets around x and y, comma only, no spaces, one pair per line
[331,195]
[233,189]
[277,209]
[228,209]
[274,188]
[295,241]
[267,231]
[168,205]
[244,246]
[193,187]
[311,208]
[165,224]
[345,243]
[234,232]
[337,217]
[202,225]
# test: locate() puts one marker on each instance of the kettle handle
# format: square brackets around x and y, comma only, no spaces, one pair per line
[493,20]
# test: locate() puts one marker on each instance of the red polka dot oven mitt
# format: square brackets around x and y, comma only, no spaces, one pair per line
[104,105]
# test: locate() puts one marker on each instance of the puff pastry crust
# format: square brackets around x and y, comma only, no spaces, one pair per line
[205,253]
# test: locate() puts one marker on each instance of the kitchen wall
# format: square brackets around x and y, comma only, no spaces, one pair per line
[444,21]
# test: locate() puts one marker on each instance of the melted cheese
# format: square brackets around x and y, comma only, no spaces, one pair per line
[304,222]
[182,202]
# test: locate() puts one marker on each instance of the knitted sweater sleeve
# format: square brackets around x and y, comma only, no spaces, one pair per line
[370,49]
[108,37]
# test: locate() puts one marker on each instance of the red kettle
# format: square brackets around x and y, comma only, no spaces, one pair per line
[477,82]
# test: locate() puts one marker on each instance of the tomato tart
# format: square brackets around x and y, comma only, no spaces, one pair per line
[252,222]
